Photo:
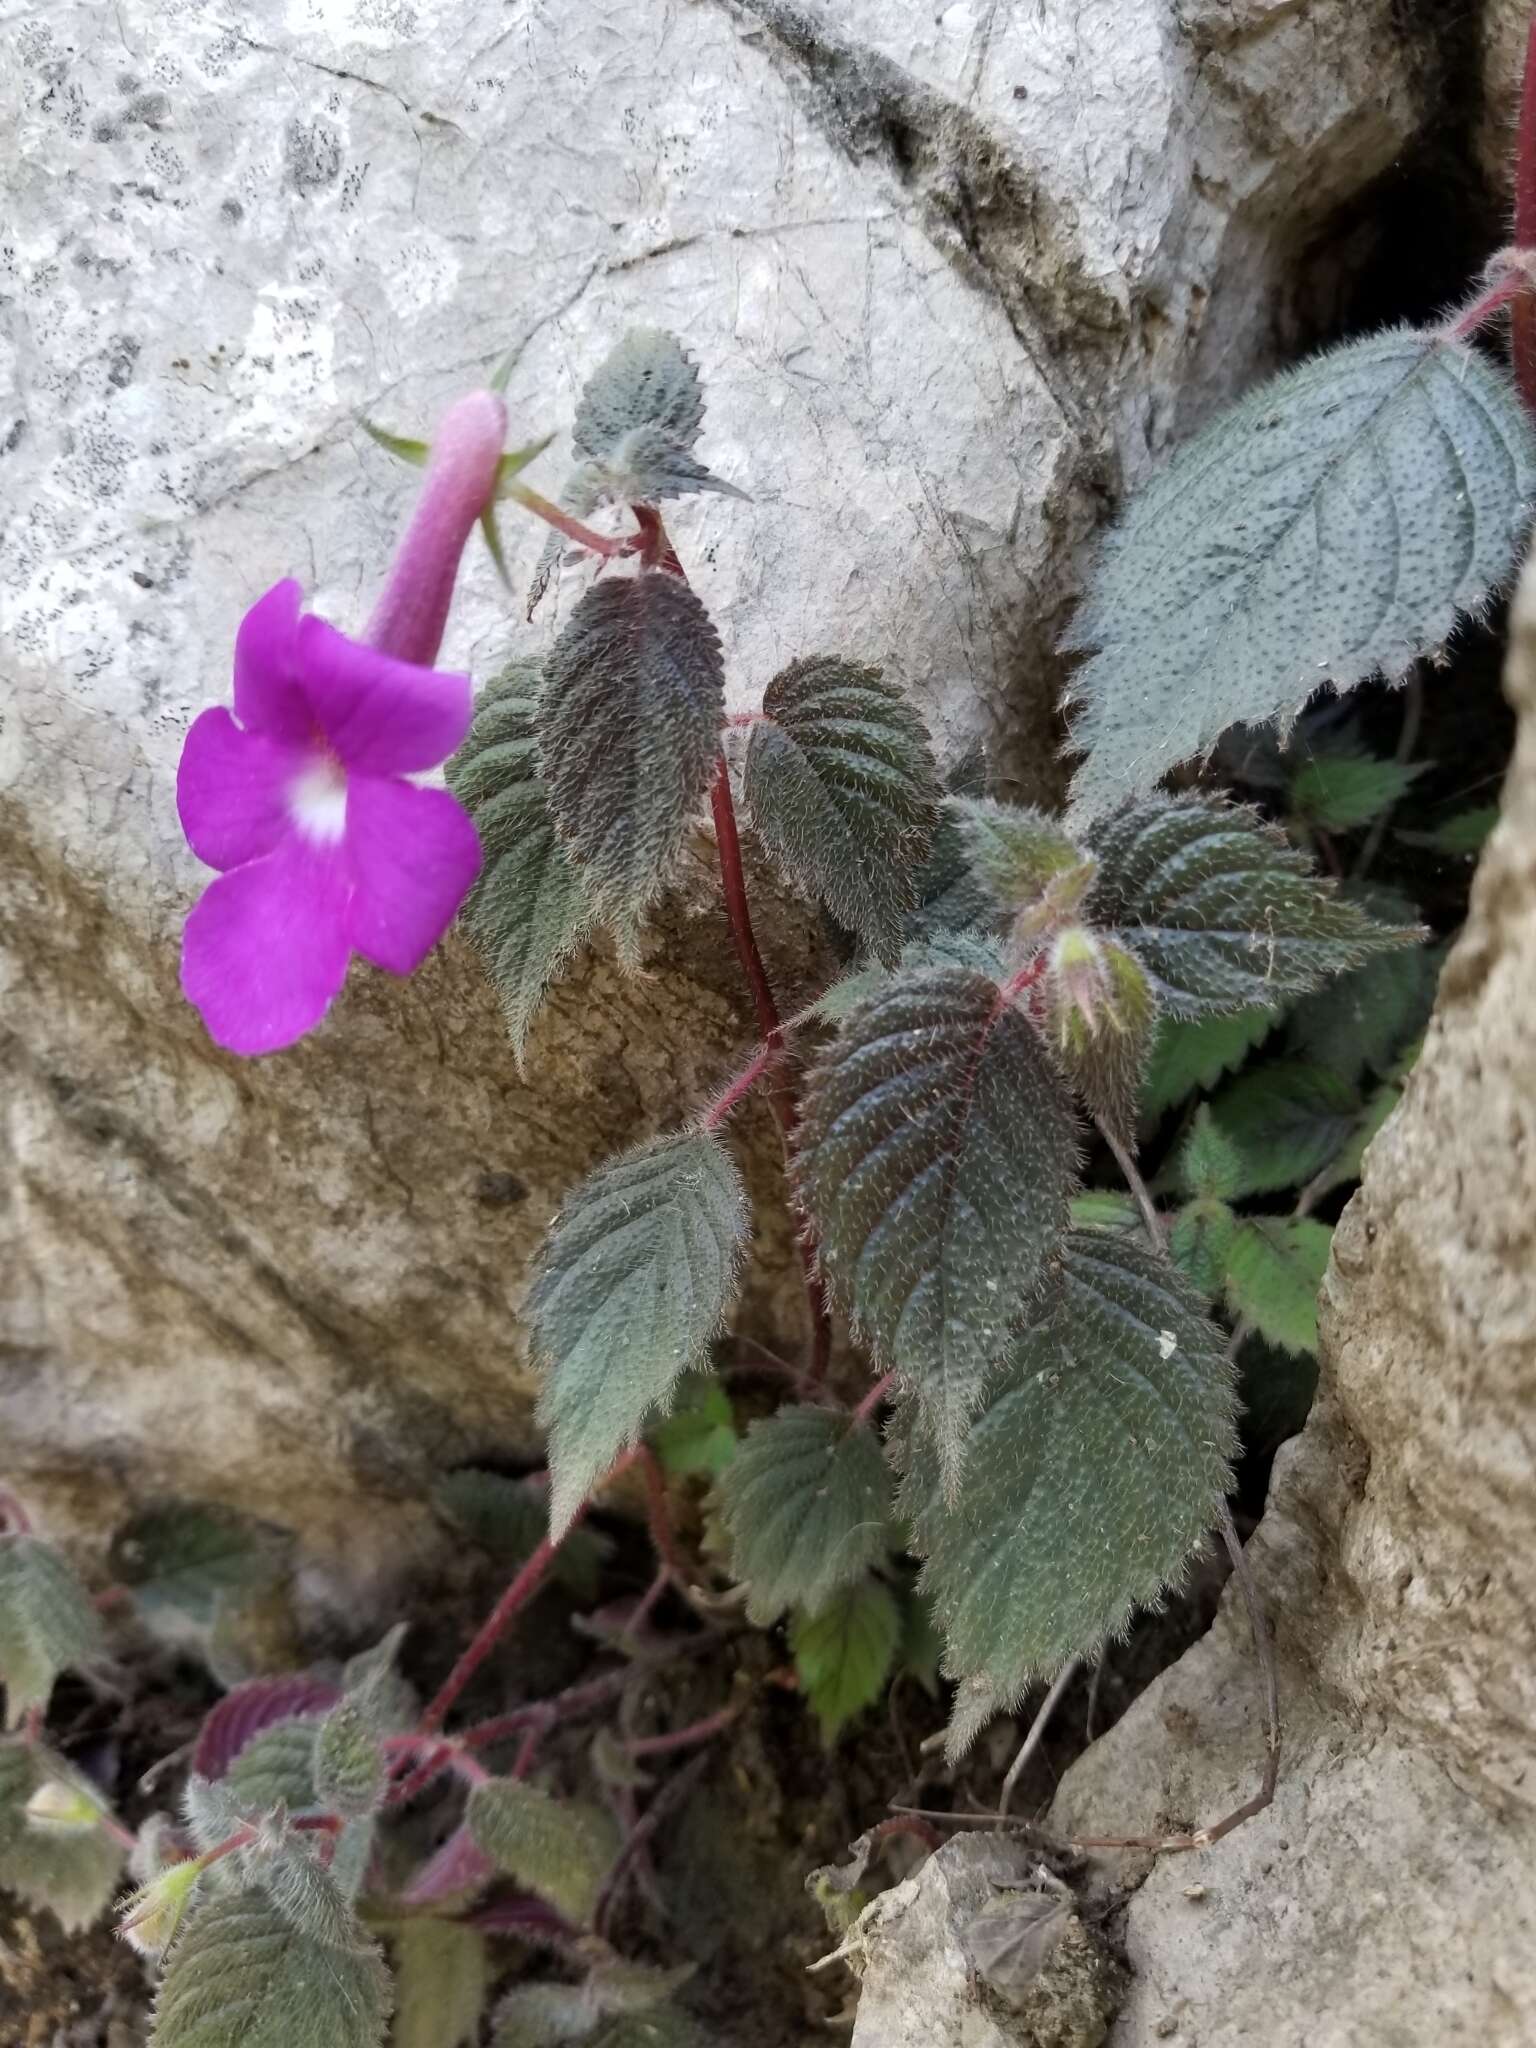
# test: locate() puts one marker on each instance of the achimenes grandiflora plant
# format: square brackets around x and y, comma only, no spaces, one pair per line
[1048,1416]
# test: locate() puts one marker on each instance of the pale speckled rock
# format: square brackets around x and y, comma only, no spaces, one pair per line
[1387,1896]
[951,274]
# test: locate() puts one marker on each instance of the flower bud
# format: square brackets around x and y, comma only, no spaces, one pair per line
[59,1806]
[152,1914]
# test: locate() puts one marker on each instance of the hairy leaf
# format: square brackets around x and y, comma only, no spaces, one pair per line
[1092,1475]
[1190,1053]
[937,1156]
[646,381]
[557,1847]
[190,1558]
[277,1768]
[841,785]
[628,726]
[1099,1016]
[650,465]
[1209,1162]
[938,948]
[1365,1018]
[47,1623]
[442,1977]
[527,912]
[1343,791]
[1200,1243]
[1103,1209]
[807,1499]
[1275,1267]
[843,1654]
[1016,851]
[373,1684]
[635,1279]
[306,1895]
[1220,910]
[72,1871]
[349,1770]
[241,1976]
[1459,837]
[1334,524]
[699,1436]
[456,1872]
[1285,1121]
[246,1710]
[509,1519]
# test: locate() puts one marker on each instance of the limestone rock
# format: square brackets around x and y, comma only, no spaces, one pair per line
[1386,1897]
[952,276]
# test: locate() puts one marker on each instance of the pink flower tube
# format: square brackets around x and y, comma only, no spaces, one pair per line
[299,796]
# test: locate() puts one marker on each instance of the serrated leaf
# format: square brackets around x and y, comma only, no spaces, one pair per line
[306,1895]
[699,1435]
[1333,525]
[843,1655]
[1458,837]
[650,465]
[373,1685]
[241,1976]
[276,1769]
[559,1848]
[1365,1018]
[1274,1269]
[527,912]
[1200,1241]
[807,1503]
[1342,791]
[1191,1053]
[350,1774]
[1209,1162]
[646,380]
[442,1978]
[509,1519]
[246,1710]
[1092,1475]
[634,1280]
[1285,1121]
[628,727]
[212,1809]
[191,1558]
[937,1154]
[1220,910]
[939,948]
[47,1623]
[72,1872]
[1015,851]
[841,785]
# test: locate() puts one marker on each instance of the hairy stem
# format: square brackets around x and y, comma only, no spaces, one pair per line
[685,1738]
[873,1398]
[743,1084]
[606,545]
[1131,1173]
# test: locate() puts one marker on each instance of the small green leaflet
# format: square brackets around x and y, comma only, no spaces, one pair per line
[1209,1162]
[1102,1209]
[646,381]
[509,1519]
[73,1872]
[442,1976]
[241,1976]
[349,1770]
[1365,1018]
[47,1623]
[1091,1476]
[527,913]
[1333,525]
[1341,792]
[1285,1121]
[1221,912]
[635,1278]
[843,1655]
[1200,1243]
[276,1767]
[699,1436]
[559,1848]
[937,1154]
[1275,1267]
[842,788]
[1017,852]
[1459,837]
[628,725]
[192,1559]
[807,1502]
[1191,1053]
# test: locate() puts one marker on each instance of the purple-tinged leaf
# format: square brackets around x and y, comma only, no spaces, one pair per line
[246,1710]
[458,1870]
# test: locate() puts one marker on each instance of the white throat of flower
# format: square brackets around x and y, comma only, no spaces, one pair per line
[317,799]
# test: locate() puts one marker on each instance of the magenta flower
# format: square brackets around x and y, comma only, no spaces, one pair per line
[300,794]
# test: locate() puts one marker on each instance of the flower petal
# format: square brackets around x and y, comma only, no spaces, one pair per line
[231,789]
[382,716]
[269,695]
[414,855]
[266,949]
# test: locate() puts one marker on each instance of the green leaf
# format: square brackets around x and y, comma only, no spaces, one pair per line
[276,1768]
[1093,1474]
[72,1871]
[412,452]
[1190,1053]
[1200,1243]
[1209,1162]
[646,381]
[1459,837]
[304,1893]
[1334,525]
[528,912]
[699,1436]
[442,1979]
[843,1655]
[1221,912]
[951,896]
[47,1623]
[922,1643]
[807,1502]
[650,465]
[938,948]
[628,725]
[1100,1209]
[1285,1121]
[241,1976]
[556,1847]
[192,1559]
[634,1281]
[373,1685]
[841,785]
[937,1153]
[1348,1161]
[350,1774]
[1015,851]
[509,1519]
[1343,791]
[1274,1269]
[1365,1018]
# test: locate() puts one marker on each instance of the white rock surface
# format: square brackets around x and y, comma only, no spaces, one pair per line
[952,274]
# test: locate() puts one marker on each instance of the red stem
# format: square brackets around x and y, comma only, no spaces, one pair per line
[603,544]
[743,1084]
[873,1398]
[1506,292]
[684,1738]
[1523,314]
